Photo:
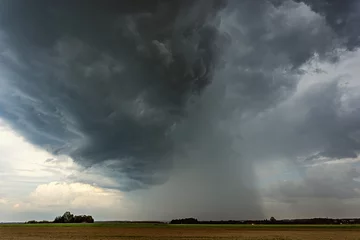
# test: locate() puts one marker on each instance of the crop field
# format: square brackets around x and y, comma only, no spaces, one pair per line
[105,231]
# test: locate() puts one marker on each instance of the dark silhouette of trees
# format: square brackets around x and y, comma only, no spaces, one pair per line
[59,219]
[83,219]
[272,220]
[184,221]
[34,221]
[68,217]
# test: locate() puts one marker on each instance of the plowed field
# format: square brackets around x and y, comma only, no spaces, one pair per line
[24,232]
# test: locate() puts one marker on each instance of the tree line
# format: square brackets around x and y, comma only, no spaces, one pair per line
[272,220]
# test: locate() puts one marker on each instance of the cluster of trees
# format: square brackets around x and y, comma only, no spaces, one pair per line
[184,221]
[68,217]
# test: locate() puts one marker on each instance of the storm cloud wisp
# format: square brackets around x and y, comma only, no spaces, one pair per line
[140,88]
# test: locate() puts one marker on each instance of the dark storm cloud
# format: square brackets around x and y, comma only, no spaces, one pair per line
[126,84]
[342,16]
[273,53]
[105,80]
[332,123]
[319,121]
[269,48]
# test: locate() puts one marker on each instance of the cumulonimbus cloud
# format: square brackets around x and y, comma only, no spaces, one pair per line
[129,85]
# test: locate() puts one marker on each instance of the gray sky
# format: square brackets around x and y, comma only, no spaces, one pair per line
[158,110]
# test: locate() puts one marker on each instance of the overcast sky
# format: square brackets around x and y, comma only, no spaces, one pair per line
[154,110]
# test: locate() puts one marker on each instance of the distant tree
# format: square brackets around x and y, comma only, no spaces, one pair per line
[31,222]
[89,219]
[59,219]
[272,219]
[78,219]
[68,217]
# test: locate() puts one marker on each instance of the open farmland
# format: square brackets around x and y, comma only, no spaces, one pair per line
[194,232]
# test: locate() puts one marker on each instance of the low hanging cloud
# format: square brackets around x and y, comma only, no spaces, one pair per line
[144,89]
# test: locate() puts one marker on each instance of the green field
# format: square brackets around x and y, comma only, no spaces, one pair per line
[157,225]
[151,231]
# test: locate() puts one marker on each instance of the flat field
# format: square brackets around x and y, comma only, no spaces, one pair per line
[106,231]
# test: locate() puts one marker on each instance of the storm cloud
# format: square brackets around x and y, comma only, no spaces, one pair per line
[140,89]
[108,86]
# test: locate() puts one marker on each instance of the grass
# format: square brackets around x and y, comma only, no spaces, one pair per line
[124,225]
[157,225]
[151,231]
[270,226]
